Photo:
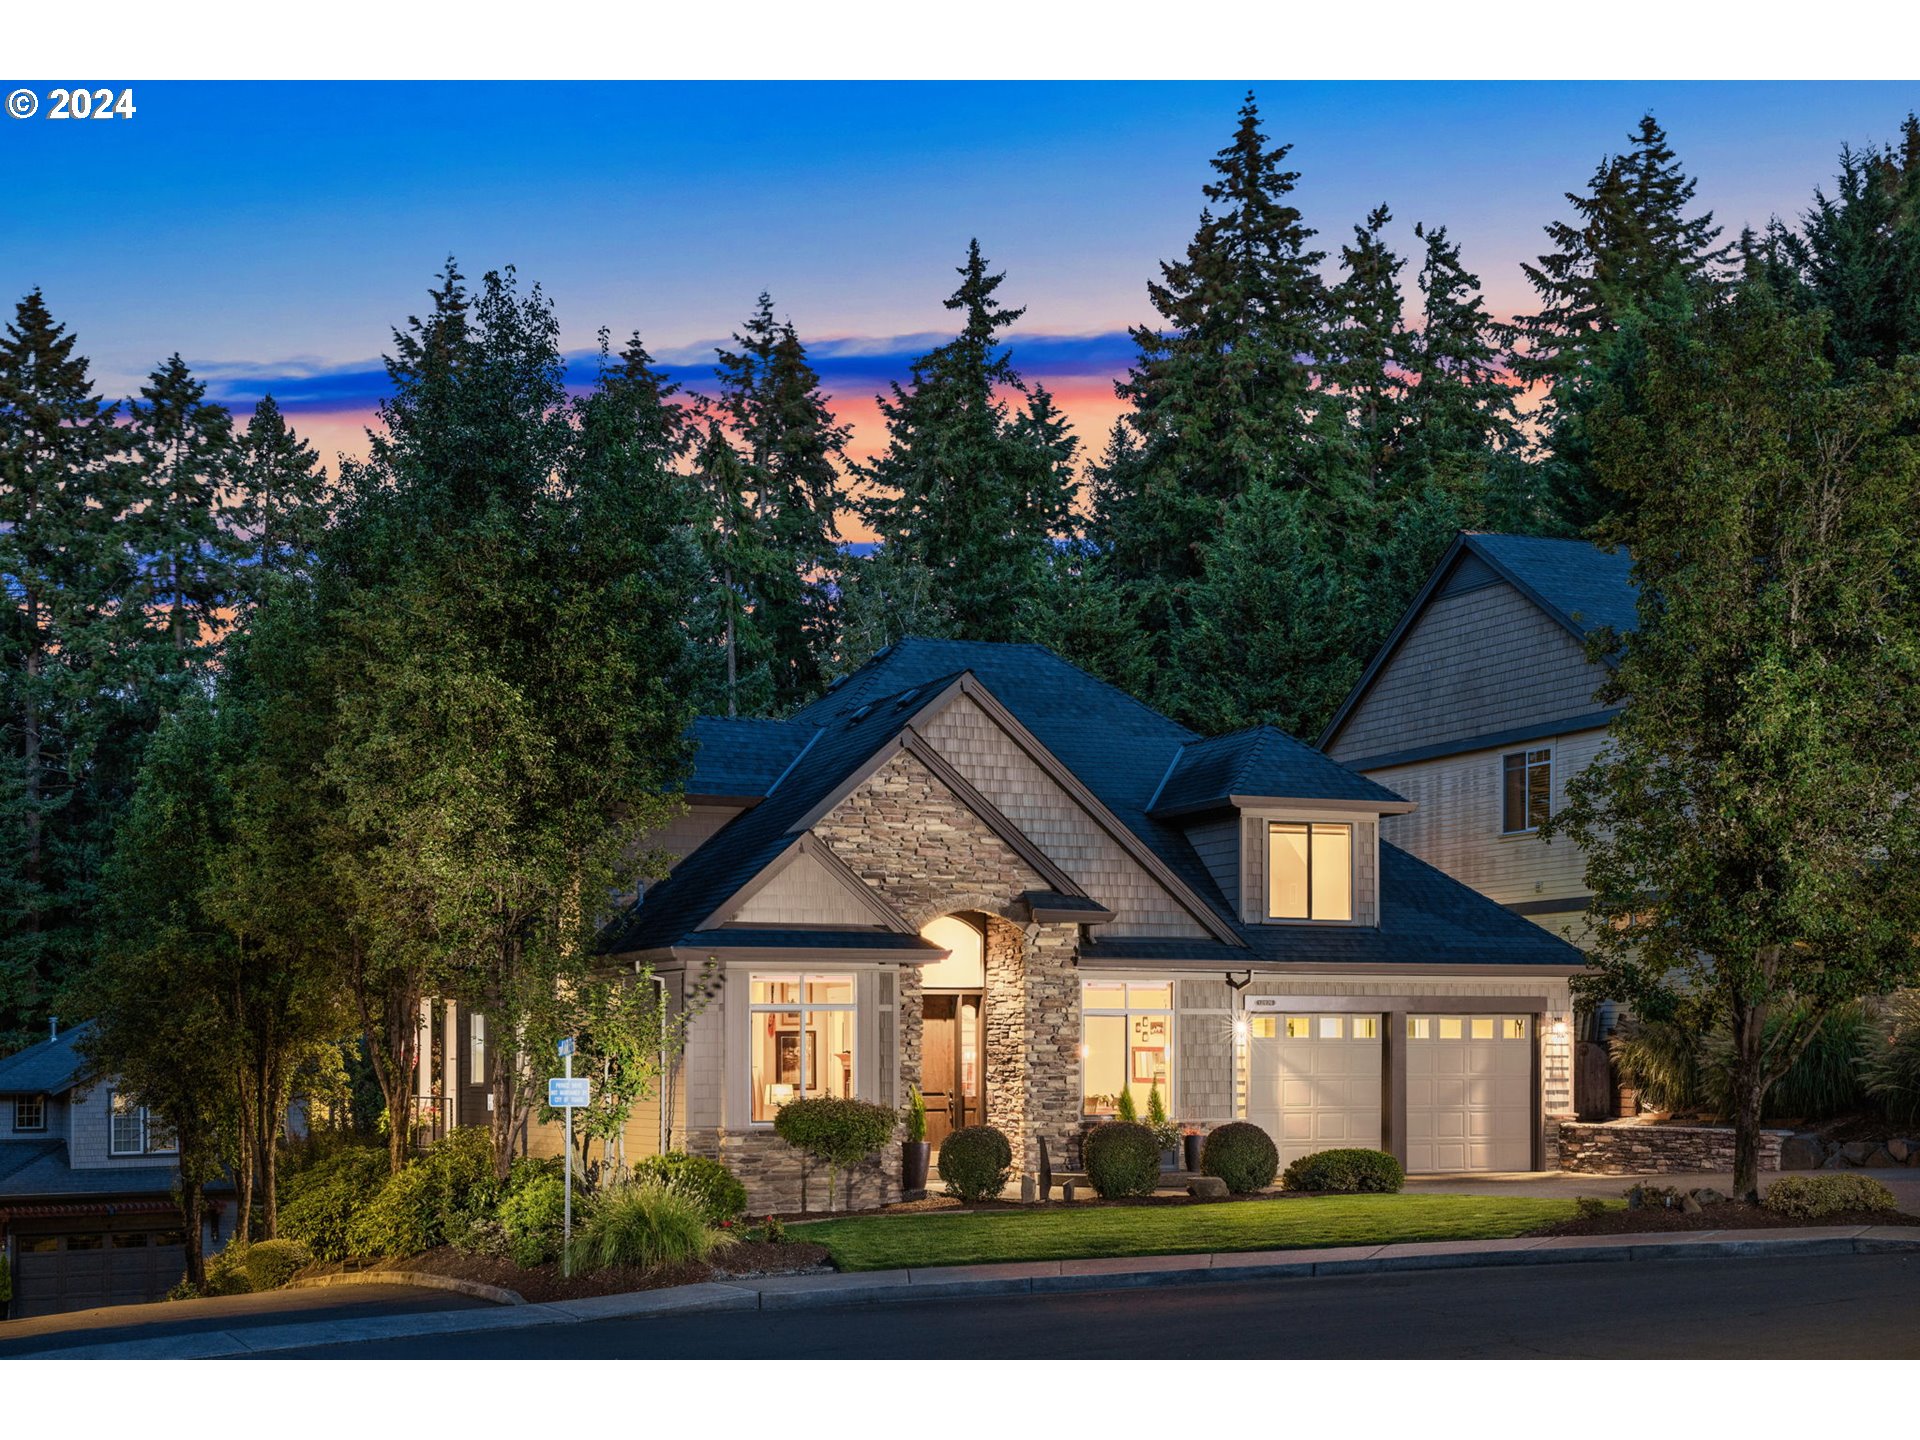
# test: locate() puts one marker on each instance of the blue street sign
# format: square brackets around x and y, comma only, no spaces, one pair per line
[566,1047]
[564,1091]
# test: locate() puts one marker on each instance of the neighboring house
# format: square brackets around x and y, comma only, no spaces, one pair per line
[977,870]
[1480,707]
[87,1214]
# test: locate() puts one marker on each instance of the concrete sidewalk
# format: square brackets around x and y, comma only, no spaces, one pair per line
[1029,1277]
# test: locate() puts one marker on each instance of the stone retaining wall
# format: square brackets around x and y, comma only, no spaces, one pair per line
[1626,1148]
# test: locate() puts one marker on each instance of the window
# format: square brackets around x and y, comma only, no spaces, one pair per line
[802,1039]
[1331,1027]
[1265,1027]
[1419,1027]
[1128,1045]
[1527,790]
[965,967]
[476,1048]
[1483,1027]
[1449,1027]
[133,1130]
[1366,1027]
[1514,1027]
[1309,871]
[30,1112]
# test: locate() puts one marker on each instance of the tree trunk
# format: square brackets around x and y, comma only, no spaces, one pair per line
[243,1221]
[1749,1023]
[193,1208]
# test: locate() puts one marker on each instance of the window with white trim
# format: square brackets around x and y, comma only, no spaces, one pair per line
[134,1130]
[1126,1045]
[802,1039]
[29,1113]
[1309,871]
[476,1048]
[1526,790]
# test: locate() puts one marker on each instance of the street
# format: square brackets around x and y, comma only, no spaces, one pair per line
[1838,1307]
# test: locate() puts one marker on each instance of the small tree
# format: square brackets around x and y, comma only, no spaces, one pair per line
[837,1133]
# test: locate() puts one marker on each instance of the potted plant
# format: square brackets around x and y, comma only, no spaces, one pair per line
[1194,1143]
[914,1149]
[1165,1133]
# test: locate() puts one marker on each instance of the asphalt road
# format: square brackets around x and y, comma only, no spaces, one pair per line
[1839,1307]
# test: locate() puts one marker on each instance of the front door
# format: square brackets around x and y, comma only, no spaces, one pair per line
[950,1064]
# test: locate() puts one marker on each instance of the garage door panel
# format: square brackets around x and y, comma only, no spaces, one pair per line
[1472,1107]
[1316,1091]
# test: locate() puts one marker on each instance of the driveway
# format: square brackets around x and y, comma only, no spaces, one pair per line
[1904,1183]
[187,1317]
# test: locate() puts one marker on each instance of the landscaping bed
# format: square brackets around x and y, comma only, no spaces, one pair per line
[1729,1215]
[545,1282]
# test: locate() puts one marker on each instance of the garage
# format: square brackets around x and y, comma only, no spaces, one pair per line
[1469,1092]
[1314,1081]
[81,1269]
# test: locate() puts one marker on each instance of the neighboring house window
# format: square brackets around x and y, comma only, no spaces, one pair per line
[30,1112]
[1126,1044]
[1309,871]
[802,1039]
[1527,790]
[476,1048]
[135,1131]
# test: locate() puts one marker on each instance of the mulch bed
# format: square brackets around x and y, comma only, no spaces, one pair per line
[1656,1219]
[544,1282]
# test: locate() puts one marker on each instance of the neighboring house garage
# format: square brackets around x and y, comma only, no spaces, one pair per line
[123,1261]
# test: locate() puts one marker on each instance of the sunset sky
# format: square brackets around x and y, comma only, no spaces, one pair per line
[274,234]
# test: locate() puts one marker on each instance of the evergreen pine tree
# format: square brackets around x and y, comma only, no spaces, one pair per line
[727,618]
[1365,360]
[281,503]
[1461,411]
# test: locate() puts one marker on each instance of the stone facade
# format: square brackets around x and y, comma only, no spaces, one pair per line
[1627,1148]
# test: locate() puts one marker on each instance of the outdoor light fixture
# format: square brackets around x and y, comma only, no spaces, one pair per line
[1085,1050]
[1559,1027]
[1240,1028]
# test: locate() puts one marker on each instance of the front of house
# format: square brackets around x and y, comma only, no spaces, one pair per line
[977,870]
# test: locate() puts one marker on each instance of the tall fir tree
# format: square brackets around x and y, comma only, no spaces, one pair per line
[1365,361]
[727,620]
[281,501]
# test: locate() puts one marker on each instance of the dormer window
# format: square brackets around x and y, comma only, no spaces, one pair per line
[1309,871]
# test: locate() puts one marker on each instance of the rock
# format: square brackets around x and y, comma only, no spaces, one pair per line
[1801,1152]
[1857,1151]
[1833,1148]
[1707,1195]
[1900,1149]
[1207,1187]
[1837,1162]
[1882,1158]
[1691,1206]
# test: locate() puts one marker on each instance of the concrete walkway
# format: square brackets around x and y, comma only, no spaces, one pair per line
[1026,1278]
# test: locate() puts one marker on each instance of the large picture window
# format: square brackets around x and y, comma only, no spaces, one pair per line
[1309,871]
[1127,1045]
[1526,790]
[802,1039]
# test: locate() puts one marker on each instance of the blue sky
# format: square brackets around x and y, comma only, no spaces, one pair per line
[274,233]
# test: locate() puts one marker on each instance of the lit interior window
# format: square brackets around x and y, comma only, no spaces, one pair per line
[1419,1027]
[1514,1027]
[1449,1027]
[1128,1045]
[802,1039]
[1309,871]
[1483,1028]
[1264,1027]
[1330,1027]
[1366,1027]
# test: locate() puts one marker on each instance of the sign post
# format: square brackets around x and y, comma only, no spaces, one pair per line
[563,1093]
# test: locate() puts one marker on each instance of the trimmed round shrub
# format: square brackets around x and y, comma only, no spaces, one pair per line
[1346,1172]
[1811,1196]
[1122,1158]
[838,1133]
[646,1223]
[226,1273]
[533,1215]
[975,1162]
[318,1204]
[718,1188]
[272,1263]
[1241,1154]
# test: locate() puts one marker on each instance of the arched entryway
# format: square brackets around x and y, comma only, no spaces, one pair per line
[953,1026]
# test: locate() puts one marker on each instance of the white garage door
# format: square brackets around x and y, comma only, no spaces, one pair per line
[1315,1081]
[1469,1092]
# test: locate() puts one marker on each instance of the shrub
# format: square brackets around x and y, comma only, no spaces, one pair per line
[1121,1159]
[718,1188]
[1890,1068]
[916,1115]
[318,1203]
[1346,1172]
[837,1133]
[272,1263]
[1241,1154]
[1589,1207]
[1811,1196]
[533,1216]
[1659,1059]
[1823,1081]
[226,1272]
[1166,1134]
[1124,1110]
[1644,1196]
[435,1198]
[773,1230]
[646,1223]
[975,1162]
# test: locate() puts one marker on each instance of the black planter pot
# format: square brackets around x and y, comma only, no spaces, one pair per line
[1193,1145]
[913,1168]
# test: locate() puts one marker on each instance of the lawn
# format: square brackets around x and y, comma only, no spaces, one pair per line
[887,1242]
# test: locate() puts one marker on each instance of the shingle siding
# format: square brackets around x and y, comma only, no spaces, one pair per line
[805,893]
[1475,663]
[1217,843]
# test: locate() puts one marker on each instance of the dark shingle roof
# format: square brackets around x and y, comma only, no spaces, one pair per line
[49,1068]
[1581,585]
[47,1174]
[1262,761]
[743,758]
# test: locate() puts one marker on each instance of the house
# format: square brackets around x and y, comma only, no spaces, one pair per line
[1479,709]
[977,870]
[87,1214]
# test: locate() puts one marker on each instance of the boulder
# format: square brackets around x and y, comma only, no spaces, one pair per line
[1690,1206]
[1836,1162]
[1881,1158]
[1900,1149]
[1857,1151]
[1707,1195]
[1207,1187]
[1801,1152]
[1833,1148]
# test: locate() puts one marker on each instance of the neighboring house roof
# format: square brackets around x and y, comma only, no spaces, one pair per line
[1263,761]
[47,1174]
[1580,586]
[1120,751]
[52,1067]
[742,759]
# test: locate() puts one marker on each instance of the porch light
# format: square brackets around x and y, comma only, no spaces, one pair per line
[1559,1027]
[1240,1029]
[1085,1050]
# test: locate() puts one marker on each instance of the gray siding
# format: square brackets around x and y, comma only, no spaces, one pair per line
[1218,846]
[1203,1076]
[806,893]
[1476,662]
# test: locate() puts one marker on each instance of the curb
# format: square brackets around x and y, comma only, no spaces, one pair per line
[960,1282]
[499,1294]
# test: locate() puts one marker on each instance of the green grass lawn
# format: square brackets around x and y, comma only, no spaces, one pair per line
[886,1242]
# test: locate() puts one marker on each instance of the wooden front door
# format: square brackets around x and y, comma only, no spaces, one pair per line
[950,1078]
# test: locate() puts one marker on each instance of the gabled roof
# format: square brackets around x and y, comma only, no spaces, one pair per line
[1263,762]
[1574,582]
[50,1068]
[742,759]
[44,1173]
